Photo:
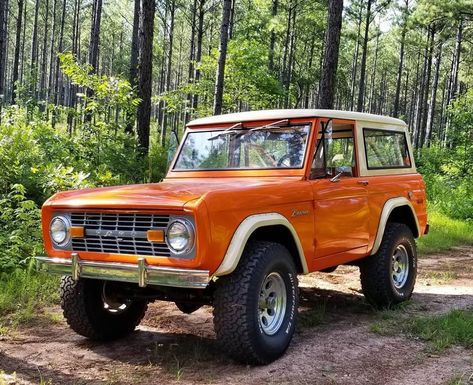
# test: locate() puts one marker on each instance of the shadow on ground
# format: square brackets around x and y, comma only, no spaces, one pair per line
[169,345]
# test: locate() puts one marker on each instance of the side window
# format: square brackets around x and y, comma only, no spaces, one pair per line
[386,149]
[335,152]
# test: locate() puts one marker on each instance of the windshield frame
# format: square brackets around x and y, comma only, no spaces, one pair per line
[229,172]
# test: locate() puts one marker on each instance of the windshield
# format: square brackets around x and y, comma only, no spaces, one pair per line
[258,148]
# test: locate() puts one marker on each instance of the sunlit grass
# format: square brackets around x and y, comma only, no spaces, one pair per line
[445,233]
[445,330]
[23,294]
[440,331]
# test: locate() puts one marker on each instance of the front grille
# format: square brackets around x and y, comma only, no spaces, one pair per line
[119,233]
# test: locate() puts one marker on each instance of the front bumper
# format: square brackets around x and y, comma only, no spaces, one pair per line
[141,273]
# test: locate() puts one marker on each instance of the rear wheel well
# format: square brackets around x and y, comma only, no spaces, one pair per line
[404,215]
[282,235]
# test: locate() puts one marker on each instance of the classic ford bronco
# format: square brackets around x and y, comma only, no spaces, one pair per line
[250,201]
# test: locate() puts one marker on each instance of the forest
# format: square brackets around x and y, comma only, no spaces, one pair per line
[96,93]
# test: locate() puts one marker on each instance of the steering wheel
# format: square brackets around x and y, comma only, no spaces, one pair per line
[284,161]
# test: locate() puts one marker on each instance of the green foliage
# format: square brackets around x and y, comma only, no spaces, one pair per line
[445,233]
[440,331]
[39,158]
[448,172]
[248,83]
[23,293]
[104,92]
[443,331]
[20,235]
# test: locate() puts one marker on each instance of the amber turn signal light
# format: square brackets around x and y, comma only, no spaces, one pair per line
[77,232]
[155,236]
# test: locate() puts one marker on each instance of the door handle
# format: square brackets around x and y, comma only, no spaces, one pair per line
[363,182]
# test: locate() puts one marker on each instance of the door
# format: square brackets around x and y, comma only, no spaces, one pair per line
[341,210]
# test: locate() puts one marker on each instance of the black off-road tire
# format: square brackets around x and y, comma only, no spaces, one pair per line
[188,307]
[83,308]
[376,272]
[236,305]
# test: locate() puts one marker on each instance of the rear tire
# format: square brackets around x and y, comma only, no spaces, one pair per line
[388,277]
[93,309]
[255,307]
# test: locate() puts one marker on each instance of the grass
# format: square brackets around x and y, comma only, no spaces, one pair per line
[23,294]
[445,233]
[440,331]
[440,276]
[445,330]
[463,379]
[314,316]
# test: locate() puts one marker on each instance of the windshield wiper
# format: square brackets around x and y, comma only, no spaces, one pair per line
[278,124]
[236,127]
[239,127]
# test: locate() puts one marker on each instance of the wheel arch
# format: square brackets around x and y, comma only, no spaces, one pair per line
[398,210]
[269,226]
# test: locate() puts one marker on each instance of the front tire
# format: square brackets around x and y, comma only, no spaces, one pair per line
[255,307]
[95,310]
[388,277]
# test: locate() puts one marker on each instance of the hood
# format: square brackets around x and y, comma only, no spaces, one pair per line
[170,194]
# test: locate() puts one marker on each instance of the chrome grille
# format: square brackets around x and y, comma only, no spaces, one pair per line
[119,233]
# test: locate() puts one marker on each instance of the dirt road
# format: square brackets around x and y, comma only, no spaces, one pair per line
[334,343]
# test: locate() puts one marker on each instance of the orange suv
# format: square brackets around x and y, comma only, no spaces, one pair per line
[250,201]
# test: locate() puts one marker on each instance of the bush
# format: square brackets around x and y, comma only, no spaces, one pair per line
[449,184]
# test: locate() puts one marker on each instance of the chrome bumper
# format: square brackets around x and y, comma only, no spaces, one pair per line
[141,273]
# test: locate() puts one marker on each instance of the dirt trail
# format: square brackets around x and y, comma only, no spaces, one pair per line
[333,343]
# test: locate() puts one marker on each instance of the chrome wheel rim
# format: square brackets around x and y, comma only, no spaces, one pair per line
[400,266]
[272,303]
[112,303]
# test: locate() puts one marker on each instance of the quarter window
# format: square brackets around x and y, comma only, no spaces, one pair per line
[386,149]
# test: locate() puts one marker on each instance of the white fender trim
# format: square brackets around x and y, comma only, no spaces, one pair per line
[243,233]
[389,206]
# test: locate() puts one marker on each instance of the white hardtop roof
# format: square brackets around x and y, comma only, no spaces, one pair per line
[288,114]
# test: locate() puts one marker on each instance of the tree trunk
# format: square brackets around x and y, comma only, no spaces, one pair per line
[34,51]
[433,97]
[16,57]
[332,43]
[57,72]
[290,61]
[23,43]
[355,60]
[420,97]
[75,48]
[232,20]
[427,86]
[272,38]
[401,62]
[95,34]
[224,27]
[145,70]
[51,84]
[44,55]
[133,73]
[285,60]
[191,71]
[3,47]
[168,70]
[198,48]
[372,98]
[361,91]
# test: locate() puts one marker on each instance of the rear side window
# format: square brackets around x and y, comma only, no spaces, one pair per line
[386,149]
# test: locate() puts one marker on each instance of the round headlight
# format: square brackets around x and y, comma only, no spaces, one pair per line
[59,230]
[180,236]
